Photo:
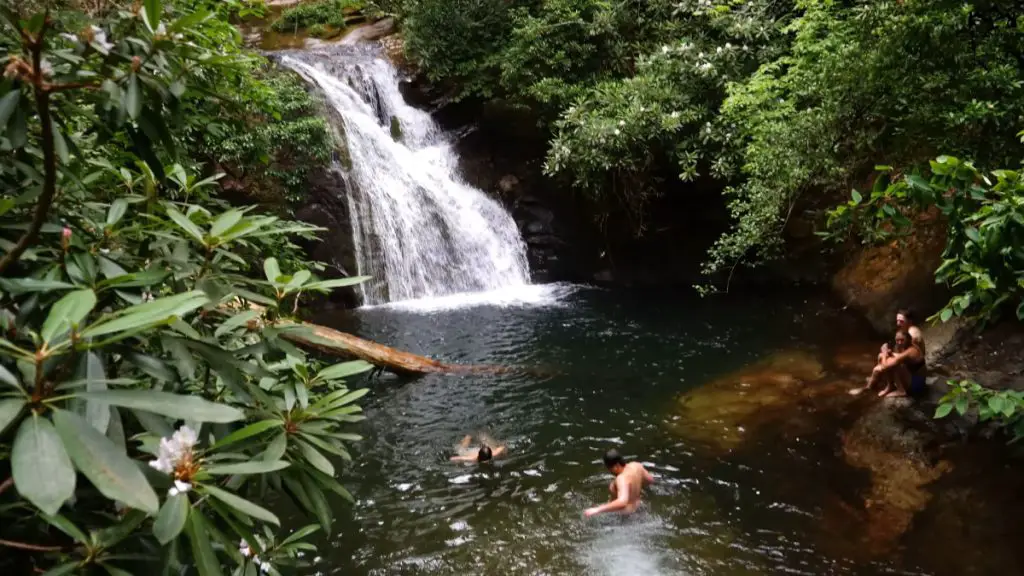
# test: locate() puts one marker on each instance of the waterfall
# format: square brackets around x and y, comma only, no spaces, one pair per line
[419,230]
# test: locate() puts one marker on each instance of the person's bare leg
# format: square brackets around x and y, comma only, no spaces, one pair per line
[870,382]
[901,378]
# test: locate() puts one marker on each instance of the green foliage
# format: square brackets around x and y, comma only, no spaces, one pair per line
[780,103]
[148,398]
[333,13]
[1004,407]
[276,140]
[983,262]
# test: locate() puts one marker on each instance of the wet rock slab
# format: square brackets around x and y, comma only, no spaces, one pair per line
[722,414]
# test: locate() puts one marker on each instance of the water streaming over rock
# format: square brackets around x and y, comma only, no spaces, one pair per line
[419,230]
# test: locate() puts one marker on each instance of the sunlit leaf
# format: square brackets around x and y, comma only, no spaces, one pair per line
[23,285]
[10,408]
[344,369]
[336,283]
[186,224]
[104,464]
[147,313]
[202,550]
[170,521]
[253,467]
[40,465]
[179,406]
[247,432]
[67,312]
[315,458]
[242,505]
[271,269]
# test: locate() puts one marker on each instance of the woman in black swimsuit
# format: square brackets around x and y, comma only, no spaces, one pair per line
[901,373]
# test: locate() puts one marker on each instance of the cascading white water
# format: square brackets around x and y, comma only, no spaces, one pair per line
[419,230]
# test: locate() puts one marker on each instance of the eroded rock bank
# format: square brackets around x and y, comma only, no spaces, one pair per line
[907,474]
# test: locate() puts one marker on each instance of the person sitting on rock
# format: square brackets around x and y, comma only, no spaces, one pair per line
[488,450]
[904,321]
[900,373]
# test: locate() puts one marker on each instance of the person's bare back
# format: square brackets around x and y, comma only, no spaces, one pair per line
[630,479]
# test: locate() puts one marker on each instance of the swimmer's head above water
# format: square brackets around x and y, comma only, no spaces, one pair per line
[614,461]
[484,454]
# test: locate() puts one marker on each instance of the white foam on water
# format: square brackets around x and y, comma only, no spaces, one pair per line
[626,546]
[535,295]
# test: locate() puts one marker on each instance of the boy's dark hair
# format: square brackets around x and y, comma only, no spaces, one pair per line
[908,314]
[484,454]
[612,458]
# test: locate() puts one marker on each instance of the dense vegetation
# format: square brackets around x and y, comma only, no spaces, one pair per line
[319,18]
[785,104]
[150,400]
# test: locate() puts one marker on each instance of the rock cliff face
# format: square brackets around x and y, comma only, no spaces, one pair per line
[877,280]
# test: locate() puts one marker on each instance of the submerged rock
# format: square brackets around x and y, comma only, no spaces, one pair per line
[722,413]
[897,455]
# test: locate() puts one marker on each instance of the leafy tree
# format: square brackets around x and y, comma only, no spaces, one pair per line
[784,104]
[150,396]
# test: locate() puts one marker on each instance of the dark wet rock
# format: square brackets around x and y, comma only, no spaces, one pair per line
[324,206]
[878,280]
[898,448]
[369,32]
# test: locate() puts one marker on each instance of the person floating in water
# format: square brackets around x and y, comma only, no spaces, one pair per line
[630,478]
[488,450]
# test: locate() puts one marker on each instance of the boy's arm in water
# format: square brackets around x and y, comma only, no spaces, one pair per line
[621,501]
[463,458]
[498,452]
[465,442]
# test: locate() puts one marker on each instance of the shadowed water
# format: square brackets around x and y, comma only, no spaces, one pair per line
[615,365]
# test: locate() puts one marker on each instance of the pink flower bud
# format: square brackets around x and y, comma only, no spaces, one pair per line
[65,237]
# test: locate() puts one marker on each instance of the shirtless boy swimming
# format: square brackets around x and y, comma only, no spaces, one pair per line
[629,479]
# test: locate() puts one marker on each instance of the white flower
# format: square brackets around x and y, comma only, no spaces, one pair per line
[728,46]
[664,49]
[179,488]
[617,132]
[700,55]
[175,449]
[622,122]
[99,40]
[161,30]
[675,114]
[243,548]
[745,48]
[46,68]
[718,50]
[69,37]
[264,567]
[705,66]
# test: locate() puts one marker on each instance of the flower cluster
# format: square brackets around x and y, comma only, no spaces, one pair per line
[243,548]
[175,457]
[95,37]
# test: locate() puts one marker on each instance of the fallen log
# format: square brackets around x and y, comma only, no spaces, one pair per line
[331,341]
[337,343]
